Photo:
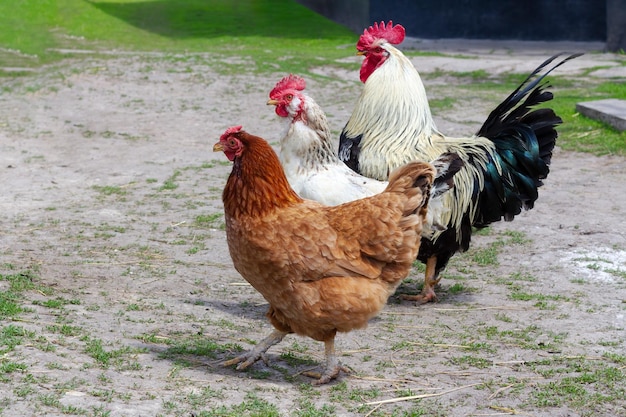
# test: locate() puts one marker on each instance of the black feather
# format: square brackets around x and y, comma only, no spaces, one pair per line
[524,137]
[447,165]
[349,150]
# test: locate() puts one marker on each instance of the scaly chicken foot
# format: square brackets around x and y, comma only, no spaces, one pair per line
[430,281]
[332,369]
[252,356]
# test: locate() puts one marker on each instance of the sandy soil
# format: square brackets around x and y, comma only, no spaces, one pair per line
[112,195]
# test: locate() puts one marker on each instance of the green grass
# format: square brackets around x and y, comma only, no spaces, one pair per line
[252,406]
[19,281]
[579,133]
[581,383]
[261,30]
[195,346]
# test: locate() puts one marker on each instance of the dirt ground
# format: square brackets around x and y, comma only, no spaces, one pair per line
[111,195]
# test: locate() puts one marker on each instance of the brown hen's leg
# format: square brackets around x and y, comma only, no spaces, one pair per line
[430,280]
[258,352]
[333,368]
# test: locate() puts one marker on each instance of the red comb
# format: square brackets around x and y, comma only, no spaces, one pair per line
[290,82]
[392,34]
[230,131]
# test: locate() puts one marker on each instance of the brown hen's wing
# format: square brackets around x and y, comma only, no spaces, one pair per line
[299,243]
[384,230]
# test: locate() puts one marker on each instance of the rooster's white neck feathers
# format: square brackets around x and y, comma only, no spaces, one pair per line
[408,109]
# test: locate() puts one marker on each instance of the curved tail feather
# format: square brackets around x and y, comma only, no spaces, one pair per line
[524,138]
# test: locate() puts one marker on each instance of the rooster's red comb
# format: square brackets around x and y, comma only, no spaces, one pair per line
[290,82]
[392,34]
[230,131]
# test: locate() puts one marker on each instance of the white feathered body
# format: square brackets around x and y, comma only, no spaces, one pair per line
[312,166]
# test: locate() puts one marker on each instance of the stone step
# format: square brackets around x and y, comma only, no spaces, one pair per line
[611,111]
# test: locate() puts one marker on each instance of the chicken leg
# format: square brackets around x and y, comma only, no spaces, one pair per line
[250,357]
[431,279]
[333,367]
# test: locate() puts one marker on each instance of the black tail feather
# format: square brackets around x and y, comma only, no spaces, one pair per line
[538,96]
[524,137]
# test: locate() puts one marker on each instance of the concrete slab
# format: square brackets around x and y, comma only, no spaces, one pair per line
[611,111]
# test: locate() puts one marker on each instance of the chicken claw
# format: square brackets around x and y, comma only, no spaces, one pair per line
[245,360]
[333,367]
[328,375]
[428,295]
[431,280]
[252,356]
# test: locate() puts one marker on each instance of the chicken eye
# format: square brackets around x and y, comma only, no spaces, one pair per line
[232,143]
[289,97]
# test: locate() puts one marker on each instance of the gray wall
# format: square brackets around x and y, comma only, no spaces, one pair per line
[573,20]
[616,25]
[547,20]
[354,14]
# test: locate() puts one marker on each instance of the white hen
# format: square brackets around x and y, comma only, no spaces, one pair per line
[312,167]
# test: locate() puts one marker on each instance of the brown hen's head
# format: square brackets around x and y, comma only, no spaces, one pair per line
[287,97]
[257,183]
[230,144]
[370,42]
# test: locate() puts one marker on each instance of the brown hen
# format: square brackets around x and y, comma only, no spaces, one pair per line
[322,269]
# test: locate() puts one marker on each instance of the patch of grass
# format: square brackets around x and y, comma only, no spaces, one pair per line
[308,409]
[170,183]
[488,256]
[221,28]
[440,104]
[595,386]
[11,336]
[458,288]
[252,406]
[57,302]
[525,296]
[107,190]
[7,367]
[121,358]
[471,360]
[579,133]
[531,337]
[210,221]
[197,346]
[19,282]
[295,360]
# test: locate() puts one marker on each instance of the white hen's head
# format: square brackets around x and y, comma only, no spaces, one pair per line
[288,98]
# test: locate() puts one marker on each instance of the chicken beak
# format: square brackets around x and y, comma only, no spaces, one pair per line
[362,53]
[218,147]
[272,102]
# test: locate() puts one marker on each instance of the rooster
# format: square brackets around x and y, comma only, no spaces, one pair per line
[322,269]
[312,166]
[504,162]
